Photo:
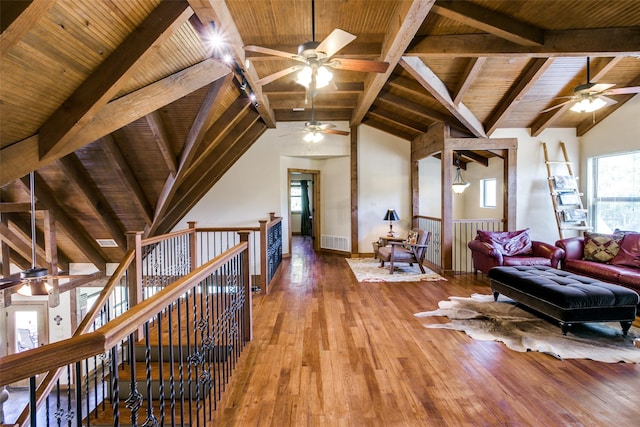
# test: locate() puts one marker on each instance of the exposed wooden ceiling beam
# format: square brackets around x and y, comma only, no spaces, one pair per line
[119,165]
[73,170]
[421,110]
[483,160]
[217,12]
[529,76]
[203,121]
[407,19]
[227,151]
[9,207]
[436,87]
[503,26]
[386,116]
[106,80]
[293,88]
[211,138]
[391,130]
[74,230]
[21,244]
[22,157]
[162,139]
[470,73]
[584,42]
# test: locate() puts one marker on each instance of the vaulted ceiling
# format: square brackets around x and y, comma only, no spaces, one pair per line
[128,115]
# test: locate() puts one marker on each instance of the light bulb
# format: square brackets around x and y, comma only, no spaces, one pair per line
[304,77]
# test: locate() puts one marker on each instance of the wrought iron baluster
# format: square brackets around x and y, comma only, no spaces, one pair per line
[151,419]
[160,369]
[172,388]
[134,400]
[115,399]
[78,373]
[181,360]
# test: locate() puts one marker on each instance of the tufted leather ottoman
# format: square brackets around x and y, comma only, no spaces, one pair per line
[565,297]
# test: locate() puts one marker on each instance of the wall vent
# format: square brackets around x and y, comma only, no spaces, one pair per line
[336,243]
[107,243]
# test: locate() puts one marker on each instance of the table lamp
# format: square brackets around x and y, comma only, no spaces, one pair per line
[391,216]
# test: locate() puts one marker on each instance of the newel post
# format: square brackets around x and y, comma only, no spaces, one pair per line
[263,255]
[246,281]
[193,246]
[134,272]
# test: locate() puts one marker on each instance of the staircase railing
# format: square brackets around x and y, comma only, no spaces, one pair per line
[209,305]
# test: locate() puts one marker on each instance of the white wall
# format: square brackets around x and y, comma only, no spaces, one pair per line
[384,182]
[535,208]
[618,133]
[258,182]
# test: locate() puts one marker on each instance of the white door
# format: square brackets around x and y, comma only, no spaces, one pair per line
[26,327]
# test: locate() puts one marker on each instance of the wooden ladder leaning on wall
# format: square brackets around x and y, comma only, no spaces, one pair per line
[567,202]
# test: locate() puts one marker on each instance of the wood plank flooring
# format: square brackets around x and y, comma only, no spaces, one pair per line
[329,351]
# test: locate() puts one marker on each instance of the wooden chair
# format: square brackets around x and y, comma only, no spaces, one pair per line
[406,252]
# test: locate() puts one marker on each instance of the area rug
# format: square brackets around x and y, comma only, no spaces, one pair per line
[483,319]
[369,270]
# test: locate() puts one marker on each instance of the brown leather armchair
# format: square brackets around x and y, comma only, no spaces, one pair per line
[406,251]
[495,248]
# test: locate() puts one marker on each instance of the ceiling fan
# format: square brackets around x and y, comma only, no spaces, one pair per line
[315,130]
[35,280]
[315,57]
[590,96]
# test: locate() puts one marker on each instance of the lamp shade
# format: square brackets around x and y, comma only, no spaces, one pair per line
[459,184]
[391,215]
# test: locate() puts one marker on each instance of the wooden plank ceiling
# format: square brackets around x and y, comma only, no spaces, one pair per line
[128,115]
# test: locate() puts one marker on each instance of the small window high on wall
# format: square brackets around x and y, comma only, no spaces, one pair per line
[613,196]
[488,190]
[296,197]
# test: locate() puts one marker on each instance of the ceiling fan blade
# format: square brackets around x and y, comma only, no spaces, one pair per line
[557,106]
[359,65]
[275,76]
[325,126]
[273,52]
[609,101]
[335,41]
[622,90]
[335,132]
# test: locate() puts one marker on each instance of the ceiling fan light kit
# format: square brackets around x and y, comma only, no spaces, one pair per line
[588,105]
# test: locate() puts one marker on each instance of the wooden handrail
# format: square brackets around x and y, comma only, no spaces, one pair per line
[47,384]
[29,363]
[156,239]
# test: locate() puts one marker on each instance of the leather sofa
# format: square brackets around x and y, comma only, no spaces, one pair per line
[511,248]
[625,274]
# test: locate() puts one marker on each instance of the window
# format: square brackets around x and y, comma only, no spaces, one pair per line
[296,197]
[488,193]
[614,196]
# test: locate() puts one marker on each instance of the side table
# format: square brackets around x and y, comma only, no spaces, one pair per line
[384,241]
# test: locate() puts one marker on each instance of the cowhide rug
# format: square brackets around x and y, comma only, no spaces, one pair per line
[483,319]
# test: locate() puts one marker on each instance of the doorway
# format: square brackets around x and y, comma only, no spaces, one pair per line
[25,328]
[304,205]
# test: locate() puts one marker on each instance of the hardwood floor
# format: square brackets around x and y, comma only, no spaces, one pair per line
[328,351]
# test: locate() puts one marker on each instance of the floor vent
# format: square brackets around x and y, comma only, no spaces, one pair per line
[336,243]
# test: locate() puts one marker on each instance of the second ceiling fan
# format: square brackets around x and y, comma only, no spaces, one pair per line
[590,96]
[316,57]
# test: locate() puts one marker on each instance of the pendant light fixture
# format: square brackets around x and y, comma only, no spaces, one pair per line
[459,184]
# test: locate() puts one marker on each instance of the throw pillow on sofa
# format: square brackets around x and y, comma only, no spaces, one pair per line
[600,247]
[629,253]
[509,243]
